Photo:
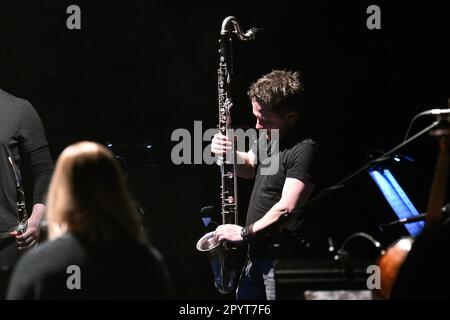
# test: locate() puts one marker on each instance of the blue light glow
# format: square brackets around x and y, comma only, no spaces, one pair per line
[397,199]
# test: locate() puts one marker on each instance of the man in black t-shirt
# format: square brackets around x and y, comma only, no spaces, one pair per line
[23,146]
[277,101]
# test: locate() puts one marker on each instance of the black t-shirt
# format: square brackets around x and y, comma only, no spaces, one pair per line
[22,137]
[116,270]
[298,160]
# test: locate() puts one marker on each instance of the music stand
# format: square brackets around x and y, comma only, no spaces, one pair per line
[397,198]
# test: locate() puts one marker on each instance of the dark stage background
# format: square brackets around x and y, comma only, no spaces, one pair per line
[137,70]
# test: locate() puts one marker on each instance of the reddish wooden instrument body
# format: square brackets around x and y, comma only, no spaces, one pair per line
[391,261]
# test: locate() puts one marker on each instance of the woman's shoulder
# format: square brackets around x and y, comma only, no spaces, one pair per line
[51,251]
[137,249]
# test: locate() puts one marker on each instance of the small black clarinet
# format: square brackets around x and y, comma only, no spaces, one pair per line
[22,214]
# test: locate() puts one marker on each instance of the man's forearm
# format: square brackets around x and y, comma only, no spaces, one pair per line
[245,168]
[295,193]
[270,217]
[38,212]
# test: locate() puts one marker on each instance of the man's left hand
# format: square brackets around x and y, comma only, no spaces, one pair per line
[30,237]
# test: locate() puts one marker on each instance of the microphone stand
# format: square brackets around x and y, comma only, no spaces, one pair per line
[341,184]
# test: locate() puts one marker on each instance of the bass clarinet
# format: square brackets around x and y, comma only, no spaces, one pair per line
[223,255]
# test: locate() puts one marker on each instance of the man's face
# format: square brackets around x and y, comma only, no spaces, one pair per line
[267,119]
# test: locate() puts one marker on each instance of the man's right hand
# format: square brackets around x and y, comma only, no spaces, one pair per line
[220,144]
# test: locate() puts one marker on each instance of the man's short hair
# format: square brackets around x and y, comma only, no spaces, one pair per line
[279,89]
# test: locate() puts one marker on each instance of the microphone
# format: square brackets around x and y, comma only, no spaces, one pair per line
[420,217]
[375,153]
[403,221]
[436,112]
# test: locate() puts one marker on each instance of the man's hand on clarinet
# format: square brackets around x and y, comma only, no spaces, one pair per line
[220,144]
[30,237]
[230,232]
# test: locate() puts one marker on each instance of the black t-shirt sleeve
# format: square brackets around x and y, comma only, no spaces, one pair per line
[35,152]
[302,162]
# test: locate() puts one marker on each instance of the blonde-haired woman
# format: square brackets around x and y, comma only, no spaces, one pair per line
[95,248]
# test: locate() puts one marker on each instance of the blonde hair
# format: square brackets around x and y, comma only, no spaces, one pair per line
[88,196]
